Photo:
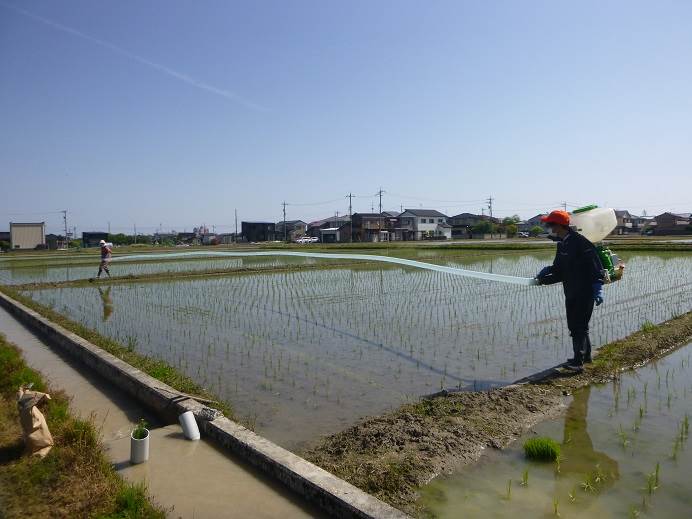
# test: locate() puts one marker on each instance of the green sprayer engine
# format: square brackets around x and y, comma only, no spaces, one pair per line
[595,224]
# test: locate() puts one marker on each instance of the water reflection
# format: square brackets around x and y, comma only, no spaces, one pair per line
[577,448]
[107,302]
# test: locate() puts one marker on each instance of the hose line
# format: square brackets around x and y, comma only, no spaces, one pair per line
[358,257]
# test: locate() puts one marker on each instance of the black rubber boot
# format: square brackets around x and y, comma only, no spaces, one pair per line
[577,362]
[587,351]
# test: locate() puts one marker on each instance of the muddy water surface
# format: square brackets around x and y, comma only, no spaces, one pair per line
[612,437]
[305,353]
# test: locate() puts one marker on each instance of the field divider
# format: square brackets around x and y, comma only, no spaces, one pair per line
[333,495]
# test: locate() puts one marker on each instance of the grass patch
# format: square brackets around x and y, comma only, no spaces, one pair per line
[75,479]
[156,368]
[542,449]
[648,326]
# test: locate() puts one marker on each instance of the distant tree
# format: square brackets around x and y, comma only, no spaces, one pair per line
[511,220]
[484,227]
[119,239]
[511,229]
[4,245]
[536,230]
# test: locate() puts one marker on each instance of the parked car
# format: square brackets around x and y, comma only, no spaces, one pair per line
[307,239]
[303,239]
[523,234]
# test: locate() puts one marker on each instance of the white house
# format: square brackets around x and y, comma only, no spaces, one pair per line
[421,224]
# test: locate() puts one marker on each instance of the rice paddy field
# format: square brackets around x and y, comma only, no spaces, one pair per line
[301,353]
[624,452]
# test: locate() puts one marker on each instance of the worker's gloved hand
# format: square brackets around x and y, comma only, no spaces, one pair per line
[543,273]
[597,289]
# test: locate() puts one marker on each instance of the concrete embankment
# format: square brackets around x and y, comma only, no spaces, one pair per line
[332,495]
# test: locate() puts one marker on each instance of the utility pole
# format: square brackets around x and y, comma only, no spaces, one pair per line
[109,227]
[564,205]
[350,214]
[379,225]
[64,218]
[235,237]
[490,205]
[135,229]
[284,204]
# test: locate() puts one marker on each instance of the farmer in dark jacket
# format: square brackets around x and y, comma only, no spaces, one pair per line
[579,268]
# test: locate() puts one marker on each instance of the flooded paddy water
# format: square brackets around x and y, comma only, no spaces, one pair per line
[624,453]
[305,353]
[57,269]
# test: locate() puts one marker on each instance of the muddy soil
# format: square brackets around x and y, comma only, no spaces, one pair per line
[390,456]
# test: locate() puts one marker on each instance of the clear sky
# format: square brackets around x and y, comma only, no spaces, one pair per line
[176,113]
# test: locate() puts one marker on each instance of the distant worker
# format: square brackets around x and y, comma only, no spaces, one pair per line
[106,255]
[578,267]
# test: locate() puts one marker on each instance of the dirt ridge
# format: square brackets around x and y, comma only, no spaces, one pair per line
[392,455]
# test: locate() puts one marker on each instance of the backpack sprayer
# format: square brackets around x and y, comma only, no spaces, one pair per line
[594,224]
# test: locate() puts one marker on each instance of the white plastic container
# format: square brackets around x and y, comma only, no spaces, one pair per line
[595,224]
[189,425]
[139,449]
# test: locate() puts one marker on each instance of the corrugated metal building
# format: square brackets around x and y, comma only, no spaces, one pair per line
[27,235]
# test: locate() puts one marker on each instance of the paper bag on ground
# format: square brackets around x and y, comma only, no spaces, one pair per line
[37,437]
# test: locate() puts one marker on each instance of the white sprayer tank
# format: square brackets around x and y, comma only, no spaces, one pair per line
[595,224]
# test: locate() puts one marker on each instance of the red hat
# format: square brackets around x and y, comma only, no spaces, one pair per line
[558,217]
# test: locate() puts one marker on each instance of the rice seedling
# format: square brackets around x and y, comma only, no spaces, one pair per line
[245,328]
[623,437]
[651,483]
[587,484]
[509,490]
[572,494]
[525,478]
[542,449]
[556,507]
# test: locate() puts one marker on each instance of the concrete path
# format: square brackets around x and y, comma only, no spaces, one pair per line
[191,479]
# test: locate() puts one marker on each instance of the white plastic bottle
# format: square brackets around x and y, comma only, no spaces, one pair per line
[595,223]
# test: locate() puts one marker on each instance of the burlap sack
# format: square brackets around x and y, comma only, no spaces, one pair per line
[37,437]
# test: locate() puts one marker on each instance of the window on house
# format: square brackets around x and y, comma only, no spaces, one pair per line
[439,220]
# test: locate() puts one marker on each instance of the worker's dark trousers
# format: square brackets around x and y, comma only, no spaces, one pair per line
[579,312]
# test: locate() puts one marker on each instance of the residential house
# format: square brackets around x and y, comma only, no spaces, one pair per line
[258,231]
[464,222]
[673,223]
[338,234]
[624,222]
[55,241]
[209,238]
[294,229]
[423,224]
[370,227]
[527,225]
[187,238]
[226,238]
[641,223]
[315,227]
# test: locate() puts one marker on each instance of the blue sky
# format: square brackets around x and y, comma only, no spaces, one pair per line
[176,113]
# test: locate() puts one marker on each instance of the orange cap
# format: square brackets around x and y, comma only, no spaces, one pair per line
[558,217]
